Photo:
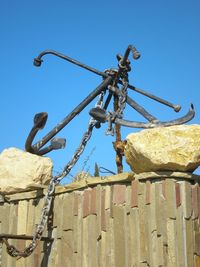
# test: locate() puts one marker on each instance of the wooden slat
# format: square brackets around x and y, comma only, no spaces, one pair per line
[98,206]
[86,202]
[152,218]
[119,194]
[195,201]
[143,224]
[109,242]
[178,195]
[180,237]
[170,198]
[66,249]
[186,196]
[108,199]
[11,262]
[119,236]
[5,215]
[92,250]
[59,214]
[103,211]
[189,242]
[85,242]
[171,237]
[67,205]
[197,260]
[93,208]
[134,194]
[159,209]
[148,192]
[135,236]
[196,230]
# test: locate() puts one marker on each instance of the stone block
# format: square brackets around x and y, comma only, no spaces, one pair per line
[20,171]
[175,148]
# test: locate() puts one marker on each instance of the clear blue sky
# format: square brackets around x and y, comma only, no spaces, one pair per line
[167,33]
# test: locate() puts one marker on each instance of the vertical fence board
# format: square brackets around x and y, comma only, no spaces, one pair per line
[186,196]
[180,237]
[143,224]
[171,234]
[92,253]
[119,237]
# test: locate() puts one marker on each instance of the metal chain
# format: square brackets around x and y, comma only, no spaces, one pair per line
[123,95]
[121,103]
[12,250]
[83,143]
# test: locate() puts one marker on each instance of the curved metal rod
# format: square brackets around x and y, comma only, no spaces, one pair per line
[40,120]
[44,151]
[176,108]
[189,116]
[29,140]
[38,61]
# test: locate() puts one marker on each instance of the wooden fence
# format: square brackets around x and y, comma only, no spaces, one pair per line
[122,221]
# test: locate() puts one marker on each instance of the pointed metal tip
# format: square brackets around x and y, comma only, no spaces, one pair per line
[177,108]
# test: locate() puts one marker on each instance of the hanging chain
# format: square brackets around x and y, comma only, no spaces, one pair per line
[121,101]
[12,250]
[122,97]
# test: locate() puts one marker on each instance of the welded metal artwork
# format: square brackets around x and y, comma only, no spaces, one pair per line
[115,84]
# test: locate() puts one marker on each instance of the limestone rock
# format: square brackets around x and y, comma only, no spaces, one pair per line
[174,148]
[21,170]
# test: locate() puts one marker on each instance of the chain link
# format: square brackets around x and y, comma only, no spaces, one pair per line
[121,102]
[12,250]
[123,95]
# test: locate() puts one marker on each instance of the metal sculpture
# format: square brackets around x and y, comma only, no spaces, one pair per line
[115,82]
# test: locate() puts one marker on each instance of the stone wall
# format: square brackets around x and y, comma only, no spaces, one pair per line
[150,219]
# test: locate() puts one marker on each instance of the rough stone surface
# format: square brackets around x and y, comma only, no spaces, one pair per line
[175,148]
[21,170]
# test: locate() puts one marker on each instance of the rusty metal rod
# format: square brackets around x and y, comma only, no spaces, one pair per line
[141,110]
[72,114]
[38,61]
[24,237]
[135,105]
[176,108]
